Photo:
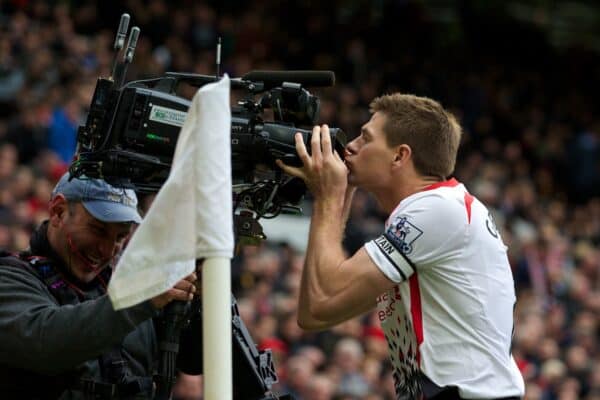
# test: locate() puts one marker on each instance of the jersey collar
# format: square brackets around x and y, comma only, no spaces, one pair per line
[449,183]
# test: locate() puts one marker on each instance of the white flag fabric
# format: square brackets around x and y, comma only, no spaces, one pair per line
[191,216]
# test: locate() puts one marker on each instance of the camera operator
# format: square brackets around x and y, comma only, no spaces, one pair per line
[59,334]
[439,274]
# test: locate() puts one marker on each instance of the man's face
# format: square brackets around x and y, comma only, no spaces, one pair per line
[85,244]
[368,157]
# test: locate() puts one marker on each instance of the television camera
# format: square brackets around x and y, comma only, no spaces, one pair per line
[129,140]
[131,131]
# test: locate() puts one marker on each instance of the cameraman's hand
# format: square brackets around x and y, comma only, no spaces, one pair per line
[183,290]
[323,171]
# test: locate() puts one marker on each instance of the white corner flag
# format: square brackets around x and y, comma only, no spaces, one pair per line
[191,216]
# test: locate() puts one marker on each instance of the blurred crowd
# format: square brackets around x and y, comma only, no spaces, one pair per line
[531,152]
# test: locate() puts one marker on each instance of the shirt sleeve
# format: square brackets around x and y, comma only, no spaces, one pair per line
[39,335]
[418,234]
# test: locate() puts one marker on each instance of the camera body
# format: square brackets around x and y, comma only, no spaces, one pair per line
[130,134]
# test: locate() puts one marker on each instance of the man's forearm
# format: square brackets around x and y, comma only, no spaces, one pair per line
[324,254]
[350,190]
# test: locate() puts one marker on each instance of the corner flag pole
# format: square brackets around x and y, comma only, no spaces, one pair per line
[216,329]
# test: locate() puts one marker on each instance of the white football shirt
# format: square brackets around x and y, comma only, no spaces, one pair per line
[451,314]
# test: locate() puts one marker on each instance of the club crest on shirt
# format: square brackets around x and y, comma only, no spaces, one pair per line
[403,234]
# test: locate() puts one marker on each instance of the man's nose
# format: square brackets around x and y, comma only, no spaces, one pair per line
[108,247]
[350,147]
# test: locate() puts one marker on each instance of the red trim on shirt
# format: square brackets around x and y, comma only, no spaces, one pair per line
[449,183]
[468,201]
[416,312]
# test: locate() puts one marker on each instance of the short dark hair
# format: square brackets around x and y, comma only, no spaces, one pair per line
[432,133]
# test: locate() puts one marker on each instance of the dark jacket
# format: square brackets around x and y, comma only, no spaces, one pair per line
[47,348]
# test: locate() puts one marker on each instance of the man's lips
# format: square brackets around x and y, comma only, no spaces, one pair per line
[348,163]
[92,261]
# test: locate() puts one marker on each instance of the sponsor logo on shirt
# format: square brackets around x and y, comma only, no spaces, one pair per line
[404,234]
[387,302]
[402,345]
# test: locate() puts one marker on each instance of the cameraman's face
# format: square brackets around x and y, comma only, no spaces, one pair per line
[85,244]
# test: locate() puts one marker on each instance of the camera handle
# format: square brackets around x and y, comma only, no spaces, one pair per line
[174,319]
[199,80]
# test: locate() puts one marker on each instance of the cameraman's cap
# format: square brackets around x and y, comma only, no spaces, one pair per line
[105,202]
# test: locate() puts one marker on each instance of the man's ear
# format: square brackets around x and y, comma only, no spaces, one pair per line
[58,209]
[402,154]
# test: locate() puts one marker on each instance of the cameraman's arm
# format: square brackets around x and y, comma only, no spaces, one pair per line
[37,334]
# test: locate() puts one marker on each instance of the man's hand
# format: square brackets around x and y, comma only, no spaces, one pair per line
[323,171]
[183,290]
